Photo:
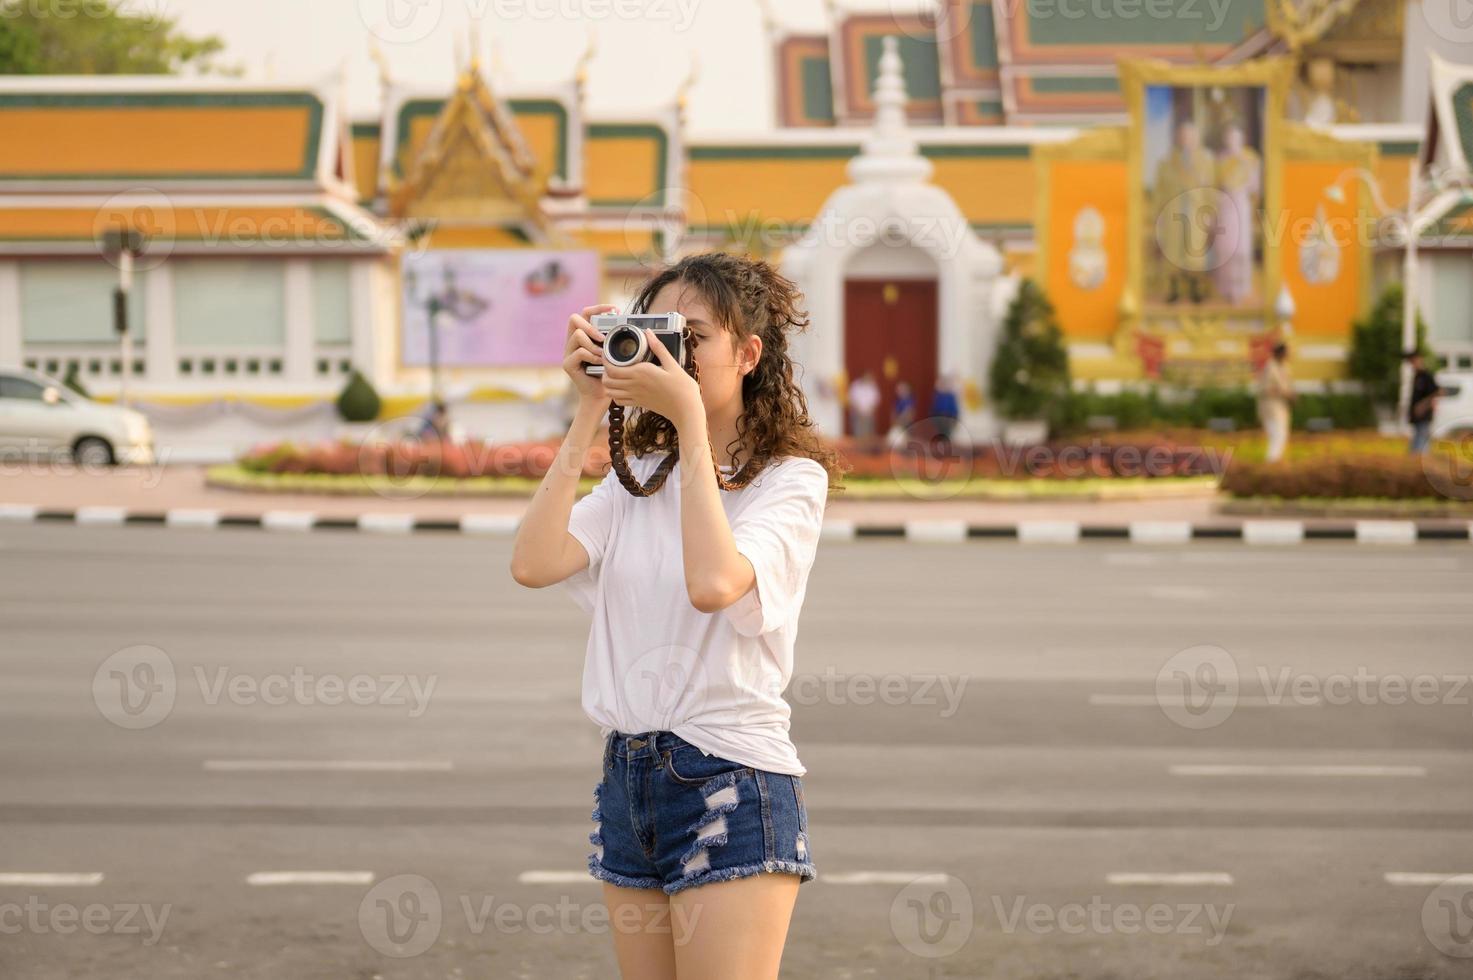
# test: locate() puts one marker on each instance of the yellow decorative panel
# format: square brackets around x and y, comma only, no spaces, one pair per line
[1323,249]
[166,140]
[365,165]
[622,169]
[1086,234]
[1394,176]
[540,132]
[212,225]
[735,192]
[990,190]
[472,237]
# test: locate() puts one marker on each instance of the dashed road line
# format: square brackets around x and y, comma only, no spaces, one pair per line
[1297,770]
[51,879]
[328,765]
[1169,878]
[271,878]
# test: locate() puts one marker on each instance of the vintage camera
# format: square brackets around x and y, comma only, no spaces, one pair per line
[626,344]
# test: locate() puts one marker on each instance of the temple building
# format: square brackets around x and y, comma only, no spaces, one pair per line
[1186,190]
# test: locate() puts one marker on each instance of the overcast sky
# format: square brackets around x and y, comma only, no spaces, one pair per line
[644,47]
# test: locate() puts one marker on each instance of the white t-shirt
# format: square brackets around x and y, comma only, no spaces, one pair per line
[656,662]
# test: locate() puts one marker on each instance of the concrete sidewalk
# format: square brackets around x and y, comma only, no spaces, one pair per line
[156,490]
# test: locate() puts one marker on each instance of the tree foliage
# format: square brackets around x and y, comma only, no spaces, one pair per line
[98,37]
[1030,370]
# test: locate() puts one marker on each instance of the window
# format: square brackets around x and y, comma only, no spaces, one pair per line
[12,387]
[332,302]
[229,303]
[71,302]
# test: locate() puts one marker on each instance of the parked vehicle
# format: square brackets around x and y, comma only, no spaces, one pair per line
[1454,412]
[40,416]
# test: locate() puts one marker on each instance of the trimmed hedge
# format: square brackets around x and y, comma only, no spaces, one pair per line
[1138,410]
[1388,477]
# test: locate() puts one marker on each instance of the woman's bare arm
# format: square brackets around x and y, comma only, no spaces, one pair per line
[545,552]
[716,574]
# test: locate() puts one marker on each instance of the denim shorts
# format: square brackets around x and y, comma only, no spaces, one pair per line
[667,815]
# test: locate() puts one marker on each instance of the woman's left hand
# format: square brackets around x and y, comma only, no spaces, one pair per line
[663,387]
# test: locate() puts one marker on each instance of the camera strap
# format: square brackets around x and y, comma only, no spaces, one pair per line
[657,478]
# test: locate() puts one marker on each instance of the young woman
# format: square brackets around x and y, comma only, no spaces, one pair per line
[701,835]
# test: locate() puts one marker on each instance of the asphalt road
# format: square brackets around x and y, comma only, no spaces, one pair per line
[1099,760]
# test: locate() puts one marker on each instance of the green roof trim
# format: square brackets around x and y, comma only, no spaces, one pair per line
[1014,151]
[921,60]
[983,34]
[717,152]
[1076,83]
[366,129]
[1463,116]
[185,100]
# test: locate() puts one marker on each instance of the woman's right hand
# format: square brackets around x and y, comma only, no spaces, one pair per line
[584,346]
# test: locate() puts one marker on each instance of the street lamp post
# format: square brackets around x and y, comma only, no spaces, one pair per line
[1449,188]
[123,245]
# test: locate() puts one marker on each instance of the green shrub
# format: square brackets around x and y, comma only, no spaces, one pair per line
[358,402]
[1030,369]
[1376,347]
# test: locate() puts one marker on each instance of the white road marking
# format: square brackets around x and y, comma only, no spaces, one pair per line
[1386,532]
[49,879]
[555,878]
[327,765]
[1273,532]
[1160,532]
[1048,532]
[883,877]
[386,523]
[1422,879]
[935,530]
[1297,770]
[192,518]
[489,523]
[1180,701]
[1174,878]
[310,878]
[100,515]
[836,529]
[18,512]
[1172,593]
[288,520]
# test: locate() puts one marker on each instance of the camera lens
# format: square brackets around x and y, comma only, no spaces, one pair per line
[624,345]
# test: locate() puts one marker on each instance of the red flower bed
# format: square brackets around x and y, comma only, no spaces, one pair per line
[1389,477]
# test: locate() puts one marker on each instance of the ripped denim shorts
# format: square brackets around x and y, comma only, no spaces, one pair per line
[667,815]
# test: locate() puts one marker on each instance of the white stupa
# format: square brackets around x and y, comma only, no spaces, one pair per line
[891,222]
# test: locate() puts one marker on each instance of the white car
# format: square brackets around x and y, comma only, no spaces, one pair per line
[1454,413]
[40,416]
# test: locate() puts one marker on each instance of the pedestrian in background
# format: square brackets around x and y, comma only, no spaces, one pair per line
[1422,404]
[1275,394]
[864,400]
[945,410]
[905,415]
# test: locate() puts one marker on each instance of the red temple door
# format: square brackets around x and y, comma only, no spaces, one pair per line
[891,323]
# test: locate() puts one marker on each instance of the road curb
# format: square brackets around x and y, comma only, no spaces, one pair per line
[1267,533]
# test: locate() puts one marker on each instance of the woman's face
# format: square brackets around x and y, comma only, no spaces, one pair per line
[722,364]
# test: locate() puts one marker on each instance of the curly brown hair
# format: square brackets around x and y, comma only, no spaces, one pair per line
[747,296]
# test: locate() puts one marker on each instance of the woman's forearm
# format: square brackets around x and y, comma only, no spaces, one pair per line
[716,574]
[537,553]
